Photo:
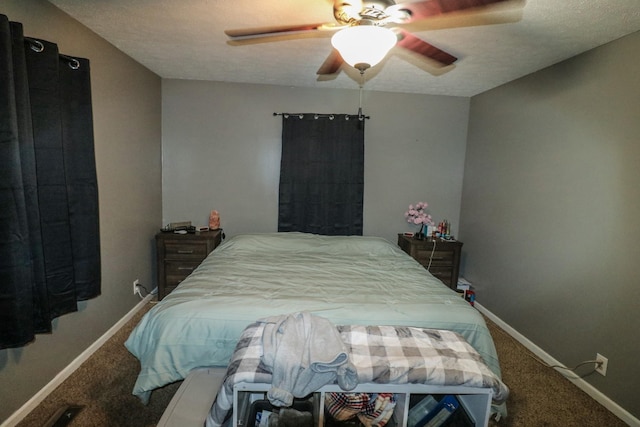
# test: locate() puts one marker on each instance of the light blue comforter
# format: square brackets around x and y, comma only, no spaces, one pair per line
[348,280]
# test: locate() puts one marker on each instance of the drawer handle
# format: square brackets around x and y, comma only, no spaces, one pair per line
[185,268]
[437,258]
[185,252]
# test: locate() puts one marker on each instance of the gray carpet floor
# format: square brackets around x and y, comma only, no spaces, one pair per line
[539,396]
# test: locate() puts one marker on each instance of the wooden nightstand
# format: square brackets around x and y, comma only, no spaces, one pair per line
[180,254]
[443,262]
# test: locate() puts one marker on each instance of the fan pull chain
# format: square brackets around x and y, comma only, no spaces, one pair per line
[360,115]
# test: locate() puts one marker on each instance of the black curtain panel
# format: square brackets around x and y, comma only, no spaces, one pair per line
[49,236]
[321,174]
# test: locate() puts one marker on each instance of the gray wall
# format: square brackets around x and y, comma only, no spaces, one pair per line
[126,109]
[548,214]
[221,150]
[550,210]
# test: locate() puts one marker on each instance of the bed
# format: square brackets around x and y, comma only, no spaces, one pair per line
[350,280]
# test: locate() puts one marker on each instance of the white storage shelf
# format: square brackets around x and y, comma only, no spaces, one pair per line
[476,401]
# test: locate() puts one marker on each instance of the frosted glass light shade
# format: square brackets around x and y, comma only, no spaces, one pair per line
[364,46]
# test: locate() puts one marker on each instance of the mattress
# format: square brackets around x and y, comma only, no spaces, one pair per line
[350,280]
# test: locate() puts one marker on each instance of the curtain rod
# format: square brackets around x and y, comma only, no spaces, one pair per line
[38,46]
[359,116]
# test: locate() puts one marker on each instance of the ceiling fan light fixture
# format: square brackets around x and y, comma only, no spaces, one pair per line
[364,46]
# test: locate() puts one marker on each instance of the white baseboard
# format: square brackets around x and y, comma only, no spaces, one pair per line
[32,403]
[596,394]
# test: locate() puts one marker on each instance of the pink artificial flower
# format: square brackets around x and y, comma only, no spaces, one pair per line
[416,214]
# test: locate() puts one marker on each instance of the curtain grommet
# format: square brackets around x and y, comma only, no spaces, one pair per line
[35,45]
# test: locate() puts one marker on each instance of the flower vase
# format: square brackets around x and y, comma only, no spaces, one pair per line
[420,235]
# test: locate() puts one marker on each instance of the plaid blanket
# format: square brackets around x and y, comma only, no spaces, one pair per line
[381,354]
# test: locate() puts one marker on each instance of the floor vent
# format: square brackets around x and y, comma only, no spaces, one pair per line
[63,416]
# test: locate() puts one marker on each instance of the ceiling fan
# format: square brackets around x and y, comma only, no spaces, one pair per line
[374,17]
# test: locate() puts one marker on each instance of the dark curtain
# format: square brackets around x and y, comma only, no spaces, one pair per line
[49,236]
[322,174]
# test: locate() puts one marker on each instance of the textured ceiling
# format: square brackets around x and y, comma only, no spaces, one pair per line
[184,39]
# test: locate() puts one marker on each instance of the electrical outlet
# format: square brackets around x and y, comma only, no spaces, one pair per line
[135,286]
[601,364]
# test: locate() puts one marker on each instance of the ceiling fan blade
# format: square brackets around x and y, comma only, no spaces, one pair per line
[332,64]
[409,41]
[425,9]
[265,31]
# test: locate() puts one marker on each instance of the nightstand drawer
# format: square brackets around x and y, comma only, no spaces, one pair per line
[442,273]
[184,250]
[438,258]
[173,281]
[168,289]
[180,269]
